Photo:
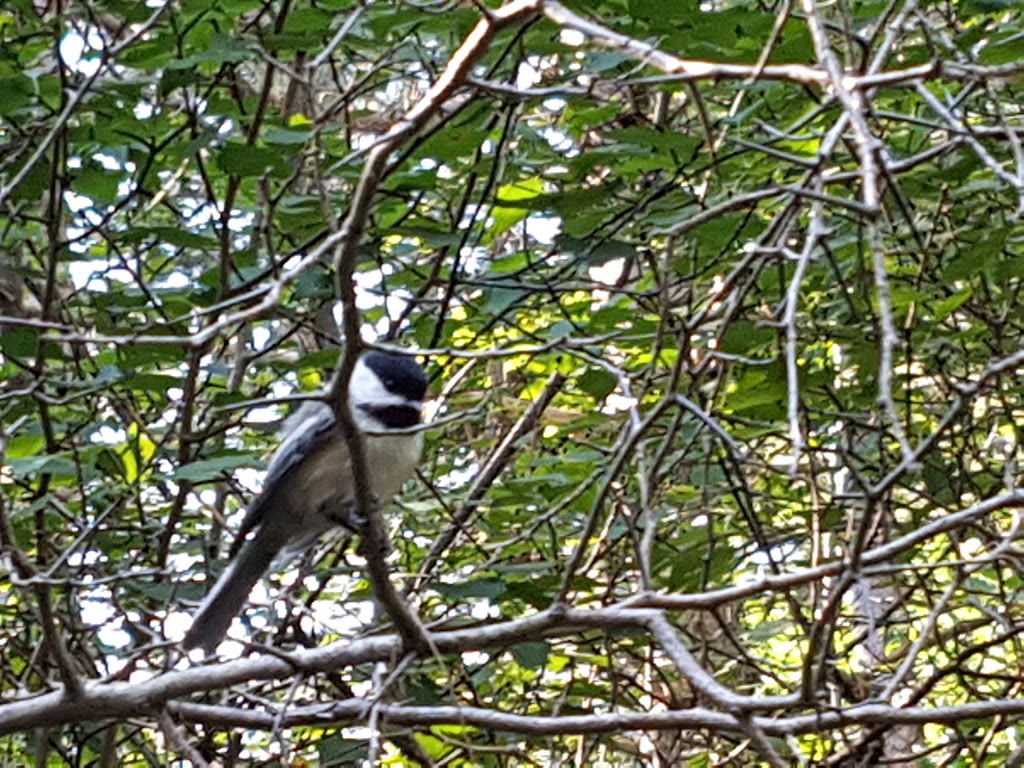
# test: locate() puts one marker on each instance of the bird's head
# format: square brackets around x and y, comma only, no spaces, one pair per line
[386,392]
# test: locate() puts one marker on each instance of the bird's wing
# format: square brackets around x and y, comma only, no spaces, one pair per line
[304,432]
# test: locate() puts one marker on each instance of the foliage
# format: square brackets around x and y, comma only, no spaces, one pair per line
[721,306]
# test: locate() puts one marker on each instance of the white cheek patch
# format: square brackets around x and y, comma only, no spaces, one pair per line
[367,389]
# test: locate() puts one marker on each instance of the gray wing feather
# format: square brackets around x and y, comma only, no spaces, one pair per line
[303,432]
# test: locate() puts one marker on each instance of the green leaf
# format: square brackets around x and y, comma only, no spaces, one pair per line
[286,135]
[222,50]
[760,393]
[336,750]
[663,11]
[509,209]
[23,446]
[148,54]
[719,233]
[19,341]
[532,655]
[15,92]
[303,20]
[214,469]
[597,382]
[498,300]
[57,465]
[489,588]
[944,308]
[141,355]
[653,139]
[247,161]
[748,339]
[1004,48]
[178,236]
[769,629]
[97,183]
[965,265]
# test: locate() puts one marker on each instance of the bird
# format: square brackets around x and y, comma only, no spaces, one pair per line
[309,487]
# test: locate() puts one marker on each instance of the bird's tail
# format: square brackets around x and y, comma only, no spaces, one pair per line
[214,616]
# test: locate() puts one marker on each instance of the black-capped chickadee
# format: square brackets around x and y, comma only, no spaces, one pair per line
[309,487]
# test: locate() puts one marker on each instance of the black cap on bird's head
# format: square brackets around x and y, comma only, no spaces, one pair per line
[400,375]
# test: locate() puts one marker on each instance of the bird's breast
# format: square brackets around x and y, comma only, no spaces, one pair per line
[391,460]
[327,480]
